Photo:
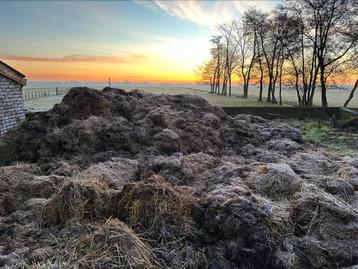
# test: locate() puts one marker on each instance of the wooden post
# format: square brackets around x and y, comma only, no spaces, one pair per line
[56,91]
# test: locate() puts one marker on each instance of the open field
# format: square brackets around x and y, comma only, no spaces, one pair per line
[336,97]
[42,104]
[46,103]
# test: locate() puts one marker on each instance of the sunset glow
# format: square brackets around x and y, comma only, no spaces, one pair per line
[139,41]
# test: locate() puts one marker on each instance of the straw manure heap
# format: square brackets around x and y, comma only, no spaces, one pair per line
[116,179]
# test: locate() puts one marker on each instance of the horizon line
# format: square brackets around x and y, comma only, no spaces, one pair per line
[113,82]
[153,82]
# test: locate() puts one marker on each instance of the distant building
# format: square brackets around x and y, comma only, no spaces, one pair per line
[11,100]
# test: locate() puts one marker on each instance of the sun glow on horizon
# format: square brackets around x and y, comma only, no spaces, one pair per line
[132,72]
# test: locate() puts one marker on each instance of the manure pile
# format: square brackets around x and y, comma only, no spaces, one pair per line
[116,179]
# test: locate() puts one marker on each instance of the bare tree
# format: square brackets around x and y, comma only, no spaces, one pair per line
[247,43]
[230,48]
[299,39]
[331,27]
[256,21]
[216,53]
[206,74]
[270,46]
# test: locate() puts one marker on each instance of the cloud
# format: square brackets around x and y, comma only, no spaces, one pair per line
[77,58]
[264,5]
[207,13]
[147,4]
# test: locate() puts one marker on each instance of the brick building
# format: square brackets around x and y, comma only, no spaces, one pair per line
[11,100]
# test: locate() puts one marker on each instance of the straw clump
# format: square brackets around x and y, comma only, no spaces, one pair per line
[111,245]
[313,207]
[22,182]
[157,209]
[77,199]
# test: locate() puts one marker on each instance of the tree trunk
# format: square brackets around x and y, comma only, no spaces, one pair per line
[273,98]
[269,89]
[244,94]
[261,69]
[217,88]
[298,91]
[323,87]
[351,94]
[250,69]
[313,88]
[281,67]
[261,90]
[245,89]
[224,86]
[274,101]
[230,84]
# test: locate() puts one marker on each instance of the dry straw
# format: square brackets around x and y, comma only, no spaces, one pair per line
[157,209]
[77,199]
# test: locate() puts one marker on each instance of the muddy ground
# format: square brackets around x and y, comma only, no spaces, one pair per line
[115,179]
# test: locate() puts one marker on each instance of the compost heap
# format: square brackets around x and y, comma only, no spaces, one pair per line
[116,179]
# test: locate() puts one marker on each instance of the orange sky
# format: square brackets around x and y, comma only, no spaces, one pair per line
[99,71]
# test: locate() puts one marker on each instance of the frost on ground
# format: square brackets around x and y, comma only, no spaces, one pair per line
[115,179]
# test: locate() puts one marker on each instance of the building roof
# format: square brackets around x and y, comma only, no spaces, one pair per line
[11,73]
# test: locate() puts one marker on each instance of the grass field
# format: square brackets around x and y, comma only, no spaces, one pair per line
[336,97]
[42,104]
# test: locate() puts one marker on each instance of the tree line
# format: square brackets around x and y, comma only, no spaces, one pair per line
[301,43]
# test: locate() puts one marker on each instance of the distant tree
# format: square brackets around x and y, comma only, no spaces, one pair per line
[230,53]
[304,42]
[216,54]
[206,74]
[299,40]
[331,27]
[270,46]
[247,44]
[256,21]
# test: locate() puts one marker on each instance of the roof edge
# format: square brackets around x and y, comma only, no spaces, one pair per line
[12,73]
[13,69]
